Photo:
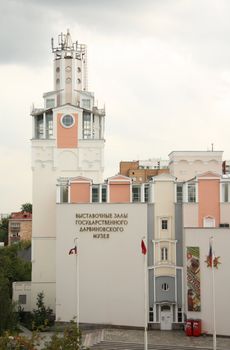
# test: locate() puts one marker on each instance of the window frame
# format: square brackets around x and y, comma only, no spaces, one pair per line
[136,197]
[67,126]
[192,192]
[164,254]
[164,224]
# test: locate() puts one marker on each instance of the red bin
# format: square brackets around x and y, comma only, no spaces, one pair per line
[189,327]
[197,328]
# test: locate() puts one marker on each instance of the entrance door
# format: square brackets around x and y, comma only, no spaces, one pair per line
[166,318]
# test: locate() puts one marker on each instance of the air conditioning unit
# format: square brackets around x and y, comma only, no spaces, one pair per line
[224,225]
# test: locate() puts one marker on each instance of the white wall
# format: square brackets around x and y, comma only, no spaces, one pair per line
[22,288]
[111,270]
[200,238]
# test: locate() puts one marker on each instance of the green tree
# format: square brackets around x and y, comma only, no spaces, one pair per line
[8,316]
[27,207]
[4,230]
[12,268]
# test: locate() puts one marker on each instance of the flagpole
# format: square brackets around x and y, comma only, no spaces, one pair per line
[76,241]
[145,303]
[213,298]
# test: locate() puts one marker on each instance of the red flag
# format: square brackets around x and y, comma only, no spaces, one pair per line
[143,247]
[73,250]
[210,255]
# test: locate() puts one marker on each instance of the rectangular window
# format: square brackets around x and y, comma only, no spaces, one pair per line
[225,192]
[164,224]
[104,194]
[179,193]
[64,194]
[164,254]
[86,103]
[50,103]
[95,194]
[39,127]
[179,315]
[49,125]
[22,299]
[86,126]
[151,315]
[146,193]
[192,193]
[136,193]
[14,227]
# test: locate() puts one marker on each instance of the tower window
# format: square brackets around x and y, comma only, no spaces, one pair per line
[57,69]
[86,126]
[164,287]
[67,121]
[86,103]
[50,102]
[57,81]
[49,125]
[164,224]
[39,127]
[164,254]
[78,69]
[79,81]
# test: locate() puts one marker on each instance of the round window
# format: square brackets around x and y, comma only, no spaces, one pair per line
[67,121]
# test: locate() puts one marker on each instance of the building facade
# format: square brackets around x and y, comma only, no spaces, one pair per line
[142,171]
[174,210]
[68,140]
[20,227]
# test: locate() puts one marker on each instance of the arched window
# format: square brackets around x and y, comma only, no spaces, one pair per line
[209,221]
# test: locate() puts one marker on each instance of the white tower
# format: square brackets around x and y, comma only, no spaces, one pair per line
[67,141]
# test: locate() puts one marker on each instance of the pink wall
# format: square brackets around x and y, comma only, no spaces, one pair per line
[209,199]
[67,137]
[119,192]
[80,192]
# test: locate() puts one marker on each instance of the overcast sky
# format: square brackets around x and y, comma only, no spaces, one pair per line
[162,68]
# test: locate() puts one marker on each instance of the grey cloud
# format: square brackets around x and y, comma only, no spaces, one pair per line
[196,28]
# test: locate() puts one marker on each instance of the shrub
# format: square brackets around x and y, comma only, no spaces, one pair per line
[43,316]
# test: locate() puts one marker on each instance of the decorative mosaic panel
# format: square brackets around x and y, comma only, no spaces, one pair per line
[193,279]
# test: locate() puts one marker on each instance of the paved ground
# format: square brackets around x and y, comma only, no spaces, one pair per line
[155,337]
[119,339]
